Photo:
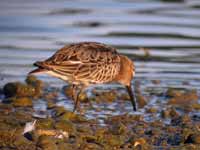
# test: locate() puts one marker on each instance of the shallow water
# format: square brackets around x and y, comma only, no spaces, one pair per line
[34,30]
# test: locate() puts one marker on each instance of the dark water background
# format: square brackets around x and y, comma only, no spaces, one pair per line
[32,30]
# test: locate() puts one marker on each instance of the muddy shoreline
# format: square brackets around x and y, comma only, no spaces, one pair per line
[175,126]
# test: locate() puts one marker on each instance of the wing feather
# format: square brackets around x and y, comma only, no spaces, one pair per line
[86,61]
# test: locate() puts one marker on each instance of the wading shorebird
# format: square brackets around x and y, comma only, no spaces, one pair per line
[87,63]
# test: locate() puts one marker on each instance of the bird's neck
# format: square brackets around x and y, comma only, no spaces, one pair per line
[126,71]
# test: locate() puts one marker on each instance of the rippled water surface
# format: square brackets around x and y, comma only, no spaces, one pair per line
[34,30]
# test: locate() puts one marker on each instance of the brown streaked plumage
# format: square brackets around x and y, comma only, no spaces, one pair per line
[89,63]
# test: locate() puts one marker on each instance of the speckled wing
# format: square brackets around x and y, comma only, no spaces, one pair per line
[87,62]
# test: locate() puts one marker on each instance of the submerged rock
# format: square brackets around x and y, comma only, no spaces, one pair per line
[184,98]
[33,88]
[18,89]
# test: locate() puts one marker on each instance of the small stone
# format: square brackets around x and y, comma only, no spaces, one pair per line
[156,81]
[124,96]
[47,143]
[83,97]
[165,114]
[171,92]
[65,146]
[45,123]
[31,136]
[141,100]
[90,146]
[58,111]
[113,140]
[31,79]
[194,138]
[181,120]
[67,126]
[20,116]
[10,89]
[13,138]
[51,105]
[184,99]
[37,84]
[196,106]
[151,110]
[68,115]
[105,96]
[109,96]
[50,96]
[68,91]
[173,113]
[118,129]
[6,108]
[140,141]
[22,102]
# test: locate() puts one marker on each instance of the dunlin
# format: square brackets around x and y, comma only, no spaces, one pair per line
[87,63]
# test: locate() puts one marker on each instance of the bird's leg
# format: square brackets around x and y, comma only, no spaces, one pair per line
[76,93]
[76,101]
[79,90]
[132,96]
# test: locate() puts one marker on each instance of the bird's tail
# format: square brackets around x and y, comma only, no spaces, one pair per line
[41,68]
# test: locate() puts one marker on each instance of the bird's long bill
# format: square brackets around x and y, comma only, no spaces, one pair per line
[132,97]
